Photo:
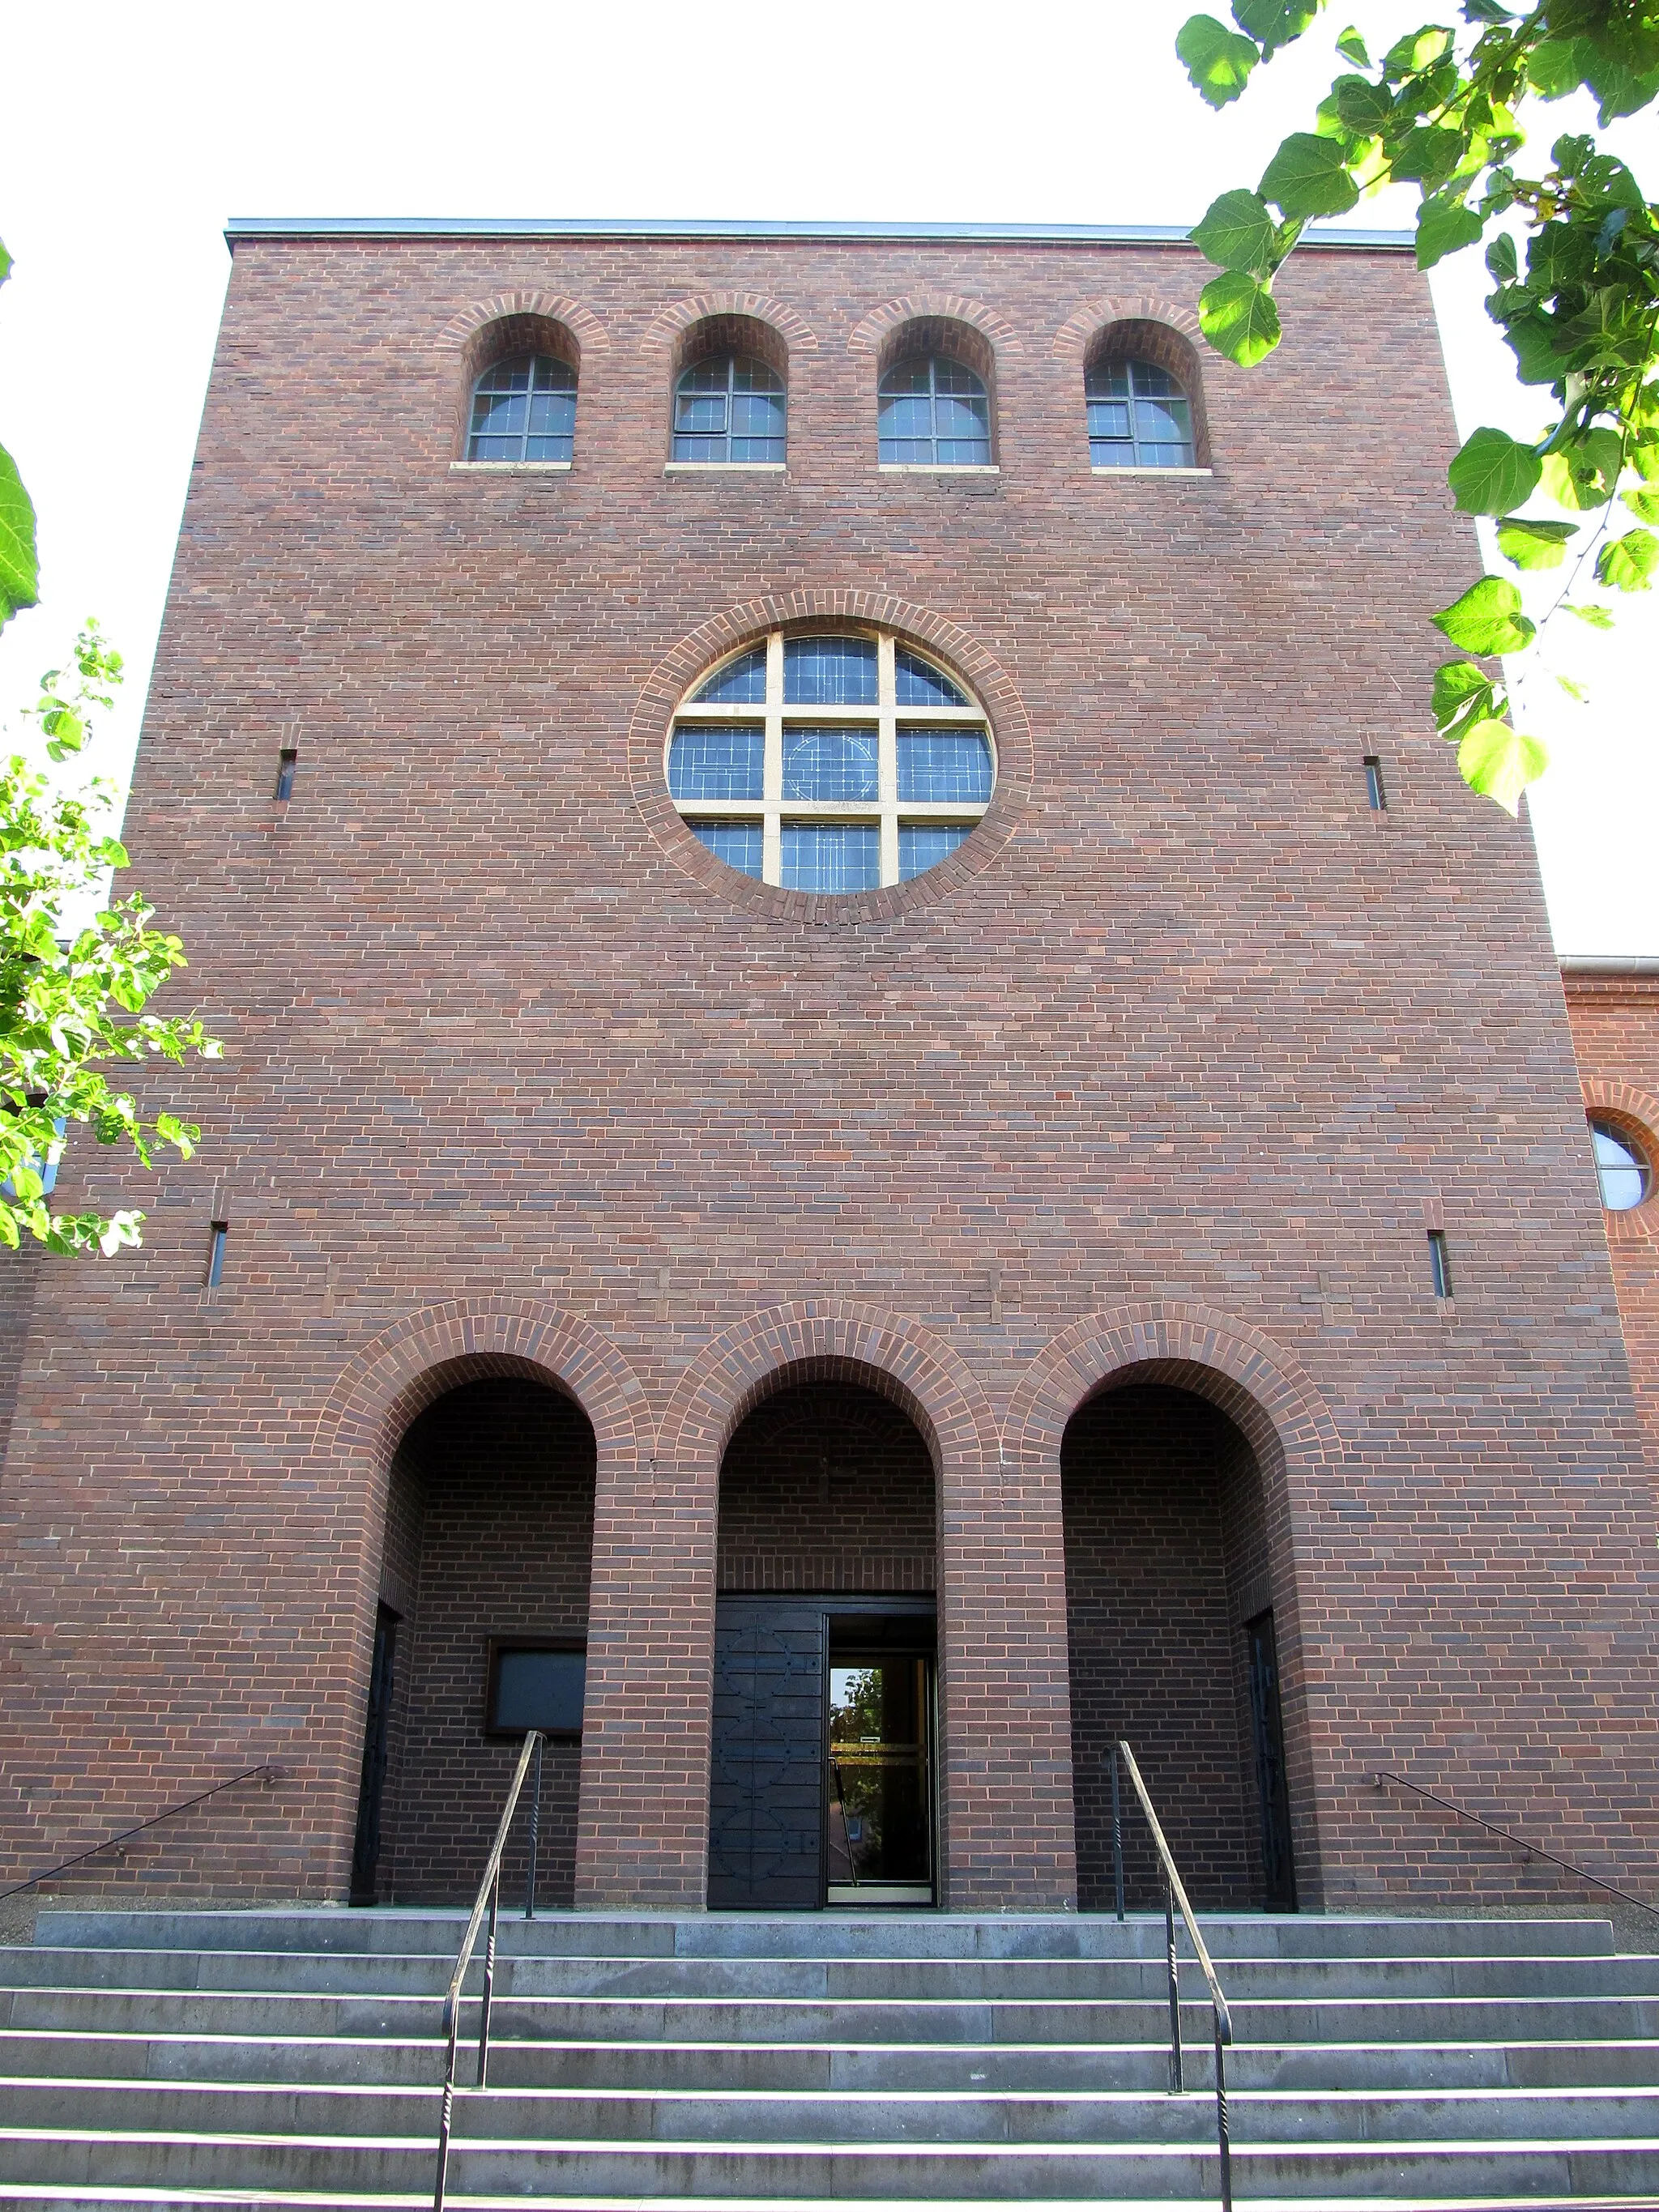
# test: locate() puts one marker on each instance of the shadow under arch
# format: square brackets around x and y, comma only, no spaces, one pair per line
[382,1391]
[1273,1404]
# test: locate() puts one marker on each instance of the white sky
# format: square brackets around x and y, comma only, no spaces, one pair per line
[132,134]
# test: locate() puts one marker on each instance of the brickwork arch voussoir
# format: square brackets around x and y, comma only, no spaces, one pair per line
[680,315]
[1263,1387]
[460,330]
[829,1339]
[1071,338]
[867,335]
[393,1377]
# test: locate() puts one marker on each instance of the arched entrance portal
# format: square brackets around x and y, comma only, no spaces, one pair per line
[480,1635]
[1171,1620]
[822,1786]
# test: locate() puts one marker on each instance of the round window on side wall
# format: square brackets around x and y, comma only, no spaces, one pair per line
[1622,1164]
[830,762]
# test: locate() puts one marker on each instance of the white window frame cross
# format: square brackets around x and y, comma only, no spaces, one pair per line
[886,718]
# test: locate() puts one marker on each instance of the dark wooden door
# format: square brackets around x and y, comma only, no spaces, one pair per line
[1278,1872]
[766,1777]
[366,1852]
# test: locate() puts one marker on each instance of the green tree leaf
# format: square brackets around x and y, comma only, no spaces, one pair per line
[1487,618]
[1217,60]
[1643,504]
[1365,107]
[20,567]
[5,264]
[1462,694]
[1492,472]
[1535,545]
[1501,262]
[1237,232]
[1309,176]
[1238,317]
[1597,618]
[1499,762]
[1416,52]
[1274,23]
[1351,48]
[1426,155]
[1555,67]
[1443,227]
[1628,563]
[1584,474]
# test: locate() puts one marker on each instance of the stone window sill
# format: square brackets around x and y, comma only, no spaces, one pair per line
[509,468]
[724,468]
[1151,472]
[937,469]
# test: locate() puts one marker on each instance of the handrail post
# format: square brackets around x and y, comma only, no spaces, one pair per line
[535,1832]
[1222,2140]
[1117,1837]
[447,2111]
[489,1980]
[1174,1989]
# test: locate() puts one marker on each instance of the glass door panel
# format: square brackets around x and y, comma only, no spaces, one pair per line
[880,1780]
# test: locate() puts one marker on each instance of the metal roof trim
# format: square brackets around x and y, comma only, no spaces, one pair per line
[979,233]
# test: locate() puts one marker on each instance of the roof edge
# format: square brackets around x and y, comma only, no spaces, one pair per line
[1612,965]
[1019,234]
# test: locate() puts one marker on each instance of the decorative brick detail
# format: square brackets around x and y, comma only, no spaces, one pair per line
[1073,337]
[647,737]
[870,334]
[669,324]
[459,333]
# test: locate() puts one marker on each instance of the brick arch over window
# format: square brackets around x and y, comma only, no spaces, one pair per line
[874,334]
[1073,339]
[1271,1399]
[461,333]
[392,1379]
[666,685]
[1639,1110]
[670,325]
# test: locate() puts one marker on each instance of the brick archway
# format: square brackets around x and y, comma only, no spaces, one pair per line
[386,1384]
[1624,1101]
[1267,1394]
[871,331]
[670,323]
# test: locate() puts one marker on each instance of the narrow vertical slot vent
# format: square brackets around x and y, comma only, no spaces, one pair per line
[216,1267]
[1439,1265]
[287,762]
[1376,795]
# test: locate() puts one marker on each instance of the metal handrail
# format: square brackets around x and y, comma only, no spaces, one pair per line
[269,1772]
[1174,1894]
[1519,1842]
[487,1900]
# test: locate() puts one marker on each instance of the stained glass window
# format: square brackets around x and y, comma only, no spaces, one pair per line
[933,413]
[729,408]
[523,409]
[830,762]
[1138,418]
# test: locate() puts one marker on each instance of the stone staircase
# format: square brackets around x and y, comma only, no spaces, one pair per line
[287,2058]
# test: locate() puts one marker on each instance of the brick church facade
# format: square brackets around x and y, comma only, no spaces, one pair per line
[886,1114]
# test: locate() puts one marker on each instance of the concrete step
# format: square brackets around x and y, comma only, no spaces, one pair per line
[834,1980]
[827,1934]
[71,2057]
[605,2118]
[1520,2170]
[889,2020]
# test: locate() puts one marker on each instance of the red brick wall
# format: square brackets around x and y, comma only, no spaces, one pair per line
[1175,1059]
[827,1487]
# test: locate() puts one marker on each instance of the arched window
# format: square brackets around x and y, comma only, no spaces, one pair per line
[933,412]
[1622,1165]
[831,763]
[1138,418]
[524,409]
[729,408]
